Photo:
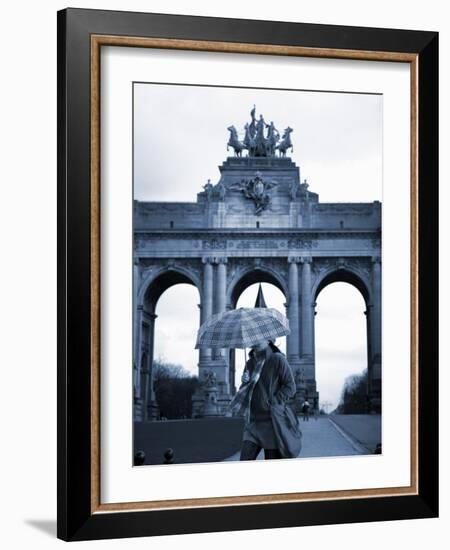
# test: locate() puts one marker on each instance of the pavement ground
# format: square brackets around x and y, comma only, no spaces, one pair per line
[192,440]
[364,428]
[322,437]
[218,439]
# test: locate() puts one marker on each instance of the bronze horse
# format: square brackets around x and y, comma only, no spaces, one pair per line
[234,142]
[285,142]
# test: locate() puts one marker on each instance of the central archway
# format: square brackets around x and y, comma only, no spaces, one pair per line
[250,276]
[243,293]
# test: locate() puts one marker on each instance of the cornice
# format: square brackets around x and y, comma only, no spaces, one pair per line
[190,234]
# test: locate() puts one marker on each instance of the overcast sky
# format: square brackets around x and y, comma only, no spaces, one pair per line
[180,137]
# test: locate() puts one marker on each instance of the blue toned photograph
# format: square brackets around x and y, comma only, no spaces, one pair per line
[257,274]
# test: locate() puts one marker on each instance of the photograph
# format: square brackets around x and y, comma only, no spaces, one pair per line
[257,273]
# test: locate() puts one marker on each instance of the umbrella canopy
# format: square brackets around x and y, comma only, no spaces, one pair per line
[242,328]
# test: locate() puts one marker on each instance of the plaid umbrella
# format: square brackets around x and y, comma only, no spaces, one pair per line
[242,328]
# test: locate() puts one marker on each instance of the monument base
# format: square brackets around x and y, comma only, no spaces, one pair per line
[213,396]
[375,389]
[138,408]
[153,412]
[209,402]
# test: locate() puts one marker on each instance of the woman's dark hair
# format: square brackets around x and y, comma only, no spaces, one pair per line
[273,347]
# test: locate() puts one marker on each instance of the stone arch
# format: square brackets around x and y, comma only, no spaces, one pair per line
[355,278]
[152,288]
[250,275]
[242,279]
[345,274]
[163,278]
[142,367]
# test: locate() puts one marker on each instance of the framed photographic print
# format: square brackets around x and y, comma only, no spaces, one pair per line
[247,274]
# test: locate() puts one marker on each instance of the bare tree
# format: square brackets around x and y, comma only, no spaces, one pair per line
[354,398]
[174,386]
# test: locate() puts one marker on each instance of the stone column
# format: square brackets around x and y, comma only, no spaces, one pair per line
[137,349]
[221,288]
[307,311]
[205,355]
[293,338]
[136,312]
[215,368]
[367,314]
[221,291]
[150,404]
[307,328]
[151,349]
[207,301]
[375,336]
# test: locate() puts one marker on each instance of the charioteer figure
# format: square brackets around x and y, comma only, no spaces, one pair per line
[260,139]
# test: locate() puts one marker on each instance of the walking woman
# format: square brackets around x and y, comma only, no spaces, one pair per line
[267,378]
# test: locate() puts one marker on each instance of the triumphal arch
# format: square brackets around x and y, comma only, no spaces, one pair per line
[259,223]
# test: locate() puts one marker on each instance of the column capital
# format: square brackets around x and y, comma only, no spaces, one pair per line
[375,259]
[294,259]
[220,260]
[306,260]
[208,260]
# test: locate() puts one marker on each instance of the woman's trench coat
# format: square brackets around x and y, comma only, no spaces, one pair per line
[281,388]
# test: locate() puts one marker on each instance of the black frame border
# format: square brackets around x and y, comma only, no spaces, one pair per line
[75,521]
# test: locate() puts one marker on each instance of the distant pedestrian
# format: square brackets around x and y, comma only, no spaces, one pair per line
[316,411]
[305,410]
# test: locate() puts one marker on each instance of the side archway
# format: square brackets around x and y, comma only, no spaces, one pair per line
[163,278]
[341,346]
[344,275]
[362,284]
[148,296]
